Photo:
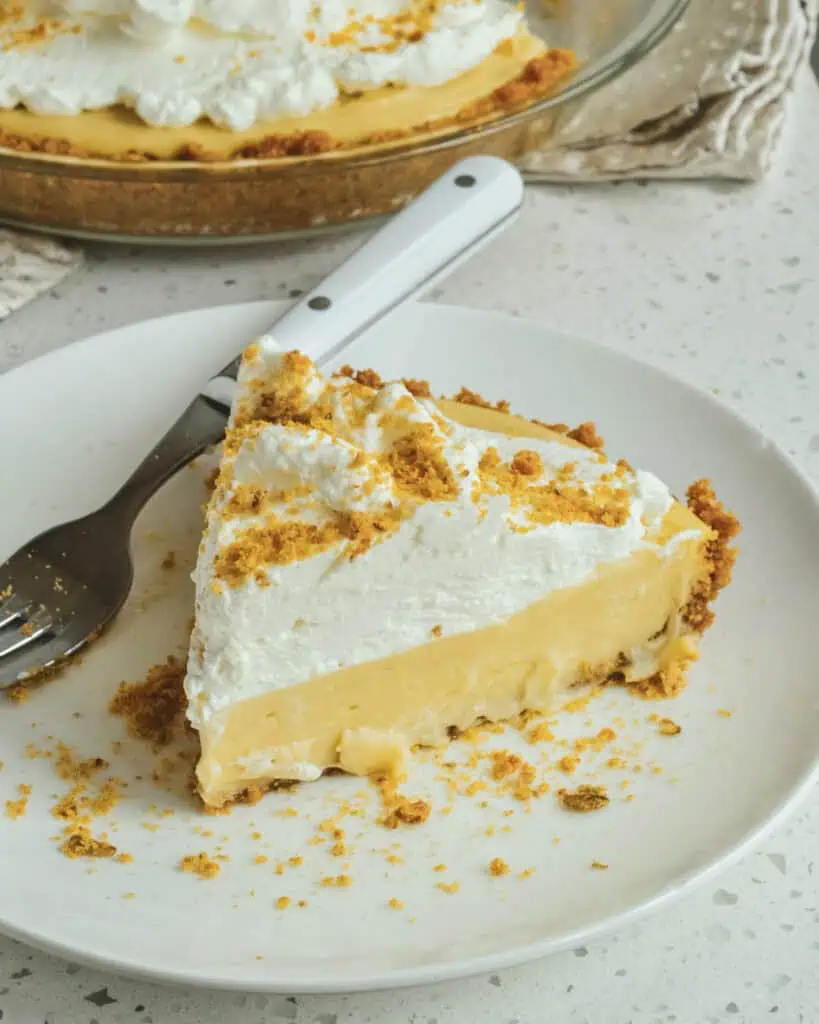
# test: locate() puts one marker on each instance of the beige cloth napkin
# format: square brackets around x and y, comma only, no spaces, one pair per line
[30,265]
[709,101]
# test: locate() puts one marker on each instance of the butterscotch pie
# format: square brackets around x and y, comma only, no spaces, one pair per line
[380,568]
[222,80]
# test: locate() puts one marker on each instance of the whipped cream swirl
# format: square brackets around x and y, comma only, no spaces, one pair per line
[237,62]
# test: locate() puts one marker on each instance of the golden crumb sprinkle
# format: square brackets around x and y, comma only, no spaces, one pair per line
[439,867]
[71,768]
[154,708]
[527,872]
[201,865]
[417,388]
[285,398]
[498,867]
[399,809]
[396,904]
[606,503]
[467,397]
[437,630]
[260,859]
[448,887]
[80,843]
[518,776]
[336,882]
[724,713]
[586,434]
[668,727]
[540,733]
[598,865]
[504,764]
[584,798]
[569,763]
[670,682]
[597,742]
[419,466]
[527,463]
[17,808]
[282,903]
[366,378]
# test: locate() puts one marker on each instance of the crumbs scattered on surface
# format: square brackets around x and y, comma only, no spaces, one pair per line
[598,865]
[399,809]
[282,903]
[569,763]
[724,713]
[17,808]
[498,867]
[668,727]
[540,733]
[80,843]
[336,882]
[448,887]
[584,798]
[154,708]
[396,904]
[201,865]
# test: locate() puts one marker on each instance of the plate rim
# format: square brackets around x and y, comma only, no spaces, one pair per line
[406,977]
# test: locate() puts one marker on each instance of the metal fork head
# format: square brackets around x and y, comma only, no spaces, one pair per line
[59,591]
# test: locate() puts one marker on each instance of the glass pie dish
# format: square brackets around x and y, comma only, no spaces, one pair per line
[263,197]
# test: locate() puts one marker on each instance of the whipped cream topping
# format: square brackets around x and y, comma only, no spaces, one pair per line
[474,542]
[236,62]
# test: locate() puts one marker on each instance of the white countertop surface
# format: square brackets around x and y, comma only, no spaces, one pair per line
[718,284]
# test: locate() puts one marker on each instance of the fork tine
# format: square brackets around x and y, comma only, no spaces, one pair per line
[36,626]
[12,609]
[36,657]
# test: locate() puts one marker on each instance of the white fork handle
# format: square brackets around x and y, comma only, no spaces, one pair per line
[445,225]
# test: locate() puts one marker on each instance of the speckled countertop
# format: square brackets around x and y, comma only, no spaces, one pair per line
[717,284]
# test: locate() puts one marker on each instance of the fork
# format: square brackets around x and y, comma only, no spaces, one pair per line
[60,590]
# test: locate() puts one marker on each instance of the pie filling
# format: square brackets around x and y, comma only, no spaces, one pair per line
[213,79]
[379,568]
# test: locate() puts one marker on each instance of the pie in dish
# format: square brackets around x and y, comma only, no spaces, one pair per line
[220,80]
[380,568]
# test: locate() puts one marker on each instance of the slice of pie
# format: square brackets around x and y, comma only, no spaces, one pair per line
[379,568]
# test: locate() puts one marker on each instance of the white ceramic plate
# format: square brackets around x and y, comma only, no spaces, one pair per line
[82,417]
